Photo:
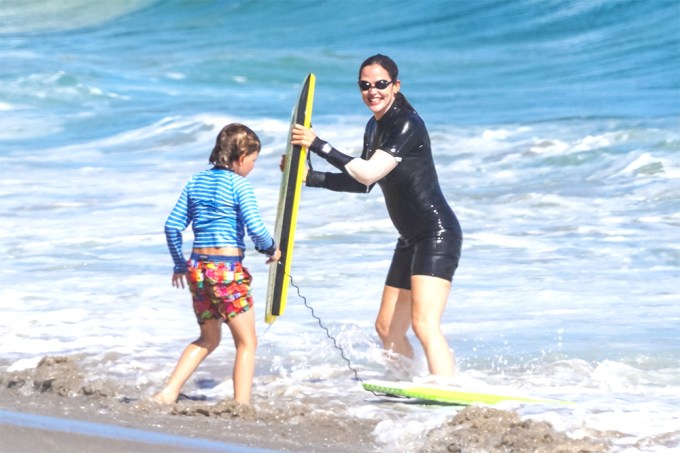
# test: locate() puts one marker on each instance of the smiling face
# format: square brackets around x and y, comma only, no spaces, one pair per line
[379,101]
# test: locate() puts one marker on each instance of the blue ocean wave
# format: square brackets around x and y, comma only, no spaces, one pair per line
[461,62]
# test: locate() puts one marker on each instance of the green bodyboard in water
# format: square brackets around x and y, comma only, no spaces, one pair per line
[450,394]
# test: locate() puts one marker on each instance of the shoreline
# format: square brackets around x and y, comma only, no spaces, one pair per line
[50,408]
[28,432]
[51,423]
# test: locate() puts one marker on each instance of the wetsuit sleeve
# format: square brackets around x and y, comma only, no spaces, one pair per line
[178,220]
[403,137]
[337,182]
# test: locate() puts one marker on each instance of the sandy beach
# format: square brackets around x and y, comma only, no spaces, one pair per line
[21,439]
[51,409]
[52,423]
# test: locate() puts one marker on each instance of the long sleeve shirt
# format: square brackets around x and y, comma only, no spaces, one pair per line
[221,207]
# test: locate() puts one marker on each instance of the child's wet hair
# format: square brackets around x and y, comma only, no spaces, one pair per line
[233,141]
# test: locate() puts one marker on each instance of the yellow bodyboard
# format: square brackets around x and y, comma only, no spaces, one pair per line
[289,200]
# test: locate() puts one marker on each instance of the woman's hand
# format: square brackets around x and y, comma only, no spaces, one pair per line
[302,136]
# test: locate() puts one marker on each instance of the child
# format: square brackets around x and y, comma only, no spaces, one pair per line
[220,204]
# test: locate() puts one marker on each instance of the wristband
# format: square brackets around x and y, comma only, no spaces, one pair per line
[315,179]
[320,147]
[270,251]
[332,155]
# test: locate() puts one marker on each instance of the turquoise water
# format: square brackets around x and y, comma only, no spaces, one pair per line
[556,130]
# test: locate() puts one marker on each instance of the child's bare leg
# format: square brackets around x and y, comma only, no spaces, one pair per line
[242,329]
[193,355]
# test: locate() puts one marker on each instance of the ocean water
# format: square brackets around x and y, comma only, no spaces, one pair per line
[556,132]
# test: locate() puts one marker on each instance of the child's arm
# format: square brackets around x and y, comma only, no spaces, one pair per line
[254,225]
[177,221]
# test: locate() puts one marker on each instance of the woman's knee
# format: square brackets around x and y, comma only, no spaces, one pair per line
[425,328]
[382,328]
[430,295]
[394,318]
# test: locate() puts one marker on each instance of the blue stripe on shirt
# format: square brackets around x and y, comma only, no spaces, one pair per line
[221,207]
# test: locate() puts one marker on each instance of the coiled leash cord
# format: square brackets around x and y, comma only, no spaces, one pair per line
[315,316]
[325,329]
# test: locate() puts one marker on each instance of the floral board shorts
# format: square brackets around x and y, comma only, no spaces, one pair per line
[220,287]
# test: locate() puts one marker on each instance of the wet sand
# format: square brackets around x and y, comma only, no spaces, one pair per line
[51,409]
[96,417]
[48,423]
[60,435]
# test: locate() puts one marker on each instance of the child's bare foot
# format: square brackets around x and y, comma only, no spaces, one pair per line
[163,397]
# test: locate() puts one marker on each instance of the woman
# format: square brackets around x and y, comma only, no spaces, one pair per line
[397,156]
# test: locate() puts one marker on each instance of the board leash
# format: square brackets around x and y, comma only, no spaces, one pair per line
[325,329]
[328,333]
[318,319]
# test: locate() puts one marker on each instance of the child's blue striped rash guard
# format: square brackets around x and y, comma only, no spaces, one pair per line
[221,206]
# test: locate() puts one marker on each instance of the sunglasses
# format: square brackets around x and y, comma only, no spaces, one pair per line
[380,84]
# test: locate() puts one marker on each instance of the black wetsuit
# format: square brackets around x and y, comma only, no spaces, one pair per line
[430,235]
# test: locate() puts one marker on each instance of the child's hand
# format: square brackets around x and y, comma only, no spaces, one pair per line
[178,280]
[282,166]
[274,258]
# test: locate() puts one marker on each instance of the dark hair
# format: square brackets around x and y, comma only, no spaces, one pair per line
[391,67]
[233,141]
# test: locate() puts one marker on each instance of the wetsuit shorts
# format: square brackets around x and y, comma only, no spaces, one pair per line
[436,255]
[220,287]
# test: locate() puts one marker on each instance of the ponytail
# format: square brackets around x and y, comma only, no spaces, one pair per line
[401,101]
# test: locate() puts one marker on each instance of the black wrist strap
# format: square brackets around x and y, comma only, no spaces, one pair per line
[270,251]
[332,155]
[315,179]
[317,145]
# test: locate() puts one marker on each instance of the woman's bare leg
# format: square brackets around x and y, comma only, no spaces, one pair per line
[429,297]
[394,320]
